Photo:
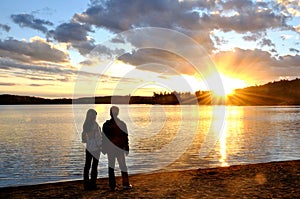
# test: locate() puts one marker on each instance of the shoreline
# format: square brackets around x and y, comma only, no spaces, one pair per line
[263,180]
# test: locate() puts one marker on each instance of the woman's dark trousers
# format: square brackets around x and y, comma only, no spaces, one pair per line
[90,184]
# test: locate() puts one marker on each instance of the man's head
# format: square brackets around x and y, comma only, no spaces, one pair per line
[114,111]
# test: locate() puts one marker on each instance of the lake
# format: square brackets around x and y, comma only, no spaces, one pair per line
[42,143]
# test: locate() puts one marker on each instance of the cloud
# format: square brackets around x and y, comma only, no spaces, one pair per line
[266,42]
[8,84]
[294,50]
[249,21]
[290,61]
[28,20]
[83,47]
[118,39]
[256,64]
[254,36]
[35,85]
[11,65]
[49,72]
[285,36]
[35,50]
[291,7]
[197,19]
[71,32]
[5,27]
[219,40]
[123,15]
[118,16]
[36,73]
[158,61]
[76,34]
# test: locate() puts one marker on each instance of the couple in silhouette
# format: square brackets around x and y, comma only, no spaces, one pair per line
[113,141]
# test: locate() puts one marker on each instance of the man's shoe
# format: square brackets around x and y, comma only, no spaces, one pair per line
[113,188]
[93,188]
[127,187]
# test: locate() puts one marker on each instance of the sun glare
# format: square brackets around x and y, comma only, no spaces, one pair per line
[229,85]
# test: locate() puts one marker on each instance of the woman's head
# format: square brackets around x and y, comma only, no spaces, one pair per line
[91,115]
[89,119]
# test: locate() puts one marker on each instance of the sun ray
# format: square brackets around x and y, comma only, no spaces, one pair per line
[228,86]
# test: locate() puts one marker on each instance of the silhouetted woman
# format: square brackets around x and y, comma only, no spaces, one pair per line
[91,135]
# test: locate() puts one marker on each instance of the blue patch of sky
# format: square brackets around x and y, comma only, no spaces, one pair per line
[283,40]
[101,35]
[56,12]
[233,40]
[75,57]
[295,21]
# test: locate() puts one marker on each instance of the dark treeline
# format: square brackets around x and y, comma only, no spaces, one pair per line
[166,98]
[284,92]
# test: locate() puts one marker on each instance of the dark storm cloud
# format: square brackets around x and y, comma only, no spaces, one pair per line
[36,50]
[5,27]
[28,20]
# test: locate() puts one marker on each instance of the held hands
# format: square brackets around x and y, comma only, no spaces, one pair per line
[84,137]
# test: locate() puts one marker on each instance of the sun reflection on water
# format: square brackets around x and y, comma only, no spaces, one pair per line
[222,142]
[232,129]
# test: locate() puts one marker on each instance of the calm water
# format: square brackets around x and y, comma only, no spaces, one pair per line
[41,143]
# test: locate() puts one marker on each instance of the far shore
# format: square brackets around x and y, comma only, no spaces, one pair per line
[263,180]
[280,93]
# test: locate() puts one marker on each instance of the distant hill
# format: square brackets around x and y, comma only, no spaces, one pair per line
[283,92]
[7,99]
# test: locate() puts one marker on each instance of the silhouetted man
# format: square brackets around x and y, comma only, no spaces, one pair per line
[115,144]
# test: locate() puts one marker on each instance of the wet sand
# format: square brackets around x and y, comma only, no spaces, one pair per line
[265,180]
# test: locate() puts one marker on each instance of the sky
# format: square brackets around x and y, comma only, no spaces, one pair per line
[68,49]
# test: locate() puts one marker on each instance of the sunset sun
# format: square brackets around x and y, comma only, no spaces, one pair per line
[229,85]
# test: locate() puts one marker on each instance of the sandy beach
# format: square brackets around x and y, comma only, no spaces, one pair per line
[265,180]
